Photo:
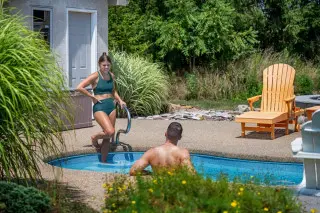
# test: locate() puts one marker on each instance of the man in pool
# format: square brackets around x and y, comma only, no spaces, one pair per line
[166,156]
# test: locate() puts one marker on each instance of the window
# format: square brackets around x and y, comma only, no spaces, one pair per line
[42,23]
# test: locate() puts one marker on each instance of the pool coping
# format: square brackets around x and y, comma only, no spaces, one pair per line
[192,151]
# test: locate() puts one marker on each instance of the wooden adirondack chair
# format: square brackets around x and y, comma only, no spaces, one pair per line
[277,104]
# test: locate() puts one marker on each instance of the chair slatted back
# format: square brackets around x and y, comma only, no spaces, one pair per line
[278,82]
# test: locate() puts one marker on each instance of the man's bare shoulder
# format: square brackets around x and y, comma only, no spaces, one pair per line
[150,152]
[184,152]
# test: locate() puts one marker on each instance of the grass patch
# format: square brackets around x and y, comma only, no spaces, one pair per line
[211,104]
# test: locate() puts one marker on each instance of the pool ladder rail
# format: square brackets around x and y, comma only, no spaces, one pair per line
[116,141]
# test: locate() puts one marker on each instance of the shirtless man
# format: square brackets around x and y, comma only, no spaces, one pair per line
[167,155]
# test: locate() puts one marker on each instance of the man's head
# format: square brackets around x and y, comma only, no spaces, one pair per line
[174,132]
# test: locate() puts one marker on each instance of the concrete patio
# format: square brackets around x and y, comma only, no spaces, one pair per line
[212,137]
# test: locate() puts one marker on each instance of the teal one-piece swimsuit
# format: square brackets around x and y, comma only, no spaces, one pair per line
[104,87]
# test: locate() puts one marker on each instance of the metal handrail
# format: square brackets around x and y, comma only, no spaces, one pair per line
[128,126]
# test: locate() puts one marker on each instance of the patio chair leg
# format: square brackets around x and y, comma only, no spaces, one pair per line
[272,131]
[287,127]
[243,129]
[296,125]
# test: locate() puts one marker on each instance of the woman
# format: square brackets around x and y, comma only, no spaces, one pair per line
[104,98]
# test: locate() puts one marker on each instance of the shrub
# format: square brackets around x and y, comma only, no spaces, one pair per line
[17,198]
[180,191]
[31,98]
[140,83]
[192,86]
[304,84]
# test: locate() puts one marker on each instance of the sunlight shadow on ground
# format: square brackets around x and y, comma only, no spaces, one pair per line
[265,135]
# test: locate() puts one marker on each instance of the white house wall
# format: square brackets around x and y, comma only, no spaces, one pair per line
[59,24]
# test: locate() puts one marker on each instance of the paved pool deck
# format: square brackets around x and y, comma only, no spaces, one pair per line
[222,138]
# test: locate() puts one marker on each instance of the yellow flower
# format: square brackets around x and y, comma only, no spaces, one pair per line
[105,211]
[184,182]
[265,209]
[234,203]
[150,190]
[279,211]
[134,211]
[104,185]
[225,212]
[155,181]
[241,189]
[313,210]
[113,205]
[170,173]
[240,193]
[258,193]
[133,202]
[119,189]
[124,187]
[110,189]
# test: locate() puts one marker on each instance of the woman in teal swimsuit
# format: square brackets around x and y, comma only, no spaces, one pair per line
[104,98]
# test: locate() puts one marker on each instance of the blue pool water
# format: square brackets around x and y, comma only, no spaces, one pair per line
[210,166]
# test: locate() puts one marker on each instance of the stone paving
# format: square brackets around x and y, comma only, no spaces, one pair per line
[204,136]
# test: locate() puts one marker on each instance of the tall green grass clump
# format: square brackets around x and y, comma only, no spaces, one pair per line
[31,98]
[140,83]
[181,191]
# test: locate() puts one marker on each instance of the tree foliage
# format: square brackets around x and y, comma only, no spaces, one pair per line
[185,33]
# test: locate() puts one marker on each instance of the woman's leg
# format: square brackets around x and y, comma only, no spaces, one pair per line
[107,128]
[106,141]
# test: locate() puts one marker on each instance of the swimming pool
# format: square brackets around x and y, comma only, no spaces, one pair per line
[210,166]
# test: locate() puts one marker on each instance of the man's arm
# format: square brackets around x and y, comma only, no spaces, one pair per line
[186,161]
[140,164]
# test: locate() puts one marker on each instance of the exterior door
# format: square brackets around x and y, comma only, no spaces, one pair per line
[79,47]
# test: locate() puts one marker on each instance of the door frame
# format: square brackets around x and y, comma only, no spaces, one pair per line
[94,39]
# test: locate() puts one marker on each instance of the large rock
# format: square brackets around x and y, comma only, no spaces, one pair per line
[242,108]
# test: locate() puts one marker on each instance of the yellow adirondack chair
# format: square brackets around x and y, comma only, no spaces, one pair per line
[277,104]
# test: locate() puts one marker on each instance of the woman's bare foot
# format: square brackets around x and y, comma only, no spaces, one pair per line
[95,144]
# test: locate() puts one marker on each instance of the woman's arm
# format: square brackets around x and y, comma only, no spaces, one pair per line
[115,93]
[86,82]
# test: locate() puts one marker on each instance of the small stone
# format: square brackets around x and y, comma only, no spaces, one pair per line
[157,117]
[141,118]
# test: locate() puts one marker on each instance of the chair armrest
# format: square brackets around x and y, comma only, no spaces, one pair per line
[252,100]
[290,99]
[291,105]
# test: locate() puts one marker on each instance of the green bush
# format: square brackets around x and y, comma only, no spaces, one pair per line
[180,191]
[140,83]
[31,98]
[17,198]
[304,84]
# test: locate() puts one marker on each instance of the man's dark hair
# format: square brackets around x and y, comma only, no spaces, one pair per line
[174,131]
